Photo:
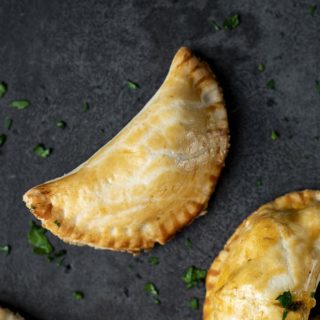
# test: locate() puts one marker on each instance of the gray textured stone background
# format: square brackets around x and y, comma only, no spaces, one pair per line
[59,54]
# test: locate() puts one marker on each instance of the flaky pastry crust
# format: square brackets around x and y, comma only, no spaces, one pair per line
[151,179]
[276,249]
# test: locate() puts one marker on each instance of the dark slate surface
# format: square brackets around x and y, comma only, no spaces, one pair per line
[59,54]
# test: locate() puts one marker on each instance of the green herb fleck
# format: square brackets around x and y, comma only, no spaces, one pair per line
[231,22]
[153,260]
[3,89]
[194,303]
[215,26]
[86,107]
[193,276]
[133,85]
[285,299]
[130,267]
[59,261]
[3,139]
[271,85]
[287,303]
[274,135]
[318,86]
[151,289]
[38,240]
[78,295]
[261,67]
[61,124]
[156,301]
[189,243]
[60,254]
[57,256]
[7,123]
[259,182]
[19,104]
[41,151]
[312,9]
[284,315]
[57,223]
[5,249]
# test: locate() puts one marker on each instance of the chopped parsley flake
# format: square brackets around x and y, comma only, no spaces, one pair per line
[285,299]
[231,22]
[189,243]
[193,276]
[318,86]
[130,267]
[19,104]
[3,139]
[284,315]
[42,246]
[194,303]
[38,240]
[7,123]
[156,301]
[151,289]
[59,261]
[133,85]
[61,124]
[3,89]
[41,151]
[78,295]
[259,182]
[215,26]
[86,107]
[60,253]
[5,250]
[274,135]
[261,67]
[287,303]
[312,9]
[153,260]
[57,256]
[271,84]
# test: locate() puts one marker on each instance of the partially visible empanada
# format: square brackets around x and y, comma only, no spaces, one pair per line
[154,177]
[275,252]
[6,314]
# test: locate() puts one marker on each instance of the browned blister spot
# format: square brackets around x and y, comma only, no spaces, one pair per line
[213,272]
[203,79]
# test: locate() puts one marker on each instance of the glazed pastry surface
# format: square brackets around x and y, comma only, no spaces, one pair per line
[151,179]
[276,249]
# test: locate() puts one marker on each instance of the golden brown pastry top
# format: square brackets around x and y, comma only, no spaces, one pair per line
[277,249]
[151,179]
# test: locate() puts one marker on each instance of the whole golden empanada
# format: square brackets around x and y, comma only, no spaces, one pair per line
[275,250]
[6,314]
[154,177]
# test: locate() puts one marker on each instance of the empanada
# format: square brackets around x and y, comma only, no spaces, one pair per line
[151,179]
[6,314]
[275,250]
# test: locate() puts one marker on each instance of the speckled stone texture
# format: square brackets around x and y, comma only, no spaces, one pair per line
[59,54]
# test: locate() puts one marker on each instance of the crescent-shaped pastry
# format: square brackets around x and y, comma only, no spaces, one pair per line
[151,179]
[269,269]
[6,314]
